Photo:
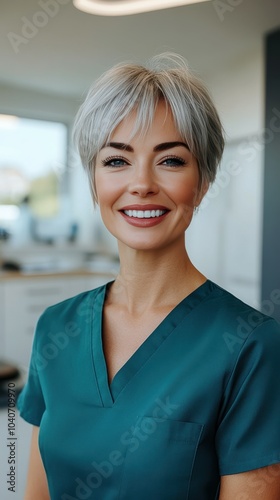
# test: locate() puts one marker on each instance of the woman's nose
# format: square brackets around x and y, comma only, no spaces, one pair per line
[143,182]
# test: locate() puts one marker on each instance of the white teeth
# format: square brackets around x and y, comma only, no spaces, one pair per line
[141,214]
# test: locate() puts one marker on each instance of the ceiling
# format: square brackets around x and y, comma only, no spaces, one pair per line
[73,48]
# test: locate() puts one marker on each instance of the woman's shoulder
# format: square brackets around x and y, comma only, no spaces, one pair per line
[237,321]
[77,307]
[225,302]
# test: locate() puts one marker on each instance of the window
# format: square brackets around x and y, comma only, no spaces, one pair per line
[32,168]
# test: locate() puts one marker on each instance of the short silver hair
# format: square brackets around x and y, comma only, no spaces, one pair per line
[127,87]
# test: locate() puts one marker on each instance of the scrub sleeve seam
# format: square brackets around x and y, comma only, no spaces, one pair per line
[254,464]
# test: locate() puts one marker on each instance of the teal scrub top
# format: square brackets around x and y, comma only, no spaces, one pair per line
[198,399]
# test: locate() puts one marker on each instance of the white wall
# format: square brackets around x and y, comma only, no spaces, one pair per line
[224,240]
[238,91]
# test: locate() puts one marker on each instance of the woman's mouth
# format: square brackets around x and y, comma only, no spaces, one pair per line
[149,217]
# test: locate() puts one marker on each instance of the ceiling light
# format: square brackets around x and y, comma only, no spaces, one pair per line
[127,7]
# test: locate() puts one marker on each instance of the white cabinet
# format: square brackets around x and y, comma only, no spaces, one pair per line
[23,300]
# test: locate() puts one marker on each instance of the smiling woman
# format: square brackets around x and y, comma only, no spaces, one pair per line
[127,409]
[157,167]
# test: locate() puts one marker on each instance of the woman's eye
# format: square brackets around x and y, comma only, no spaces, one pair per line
[173,161]
[114,162]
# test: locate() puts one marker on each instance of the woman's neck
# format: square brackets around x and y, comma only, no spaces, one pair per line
[149,280]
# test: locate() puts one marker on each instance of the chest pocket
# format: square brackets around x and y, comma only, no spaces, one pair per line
[159,459]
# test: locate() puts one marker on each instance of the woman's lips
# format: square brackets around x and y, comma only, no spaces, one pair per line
[146,206]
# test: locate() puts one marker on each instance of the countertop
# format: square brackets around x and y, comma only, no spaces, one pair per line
[15,275]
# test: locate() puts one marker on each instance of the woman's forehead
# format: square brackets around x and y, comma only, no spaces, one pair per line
[134,123]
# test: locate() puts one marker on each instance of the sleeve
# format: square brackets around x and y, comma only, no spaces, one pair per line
[248,434]
[30,402]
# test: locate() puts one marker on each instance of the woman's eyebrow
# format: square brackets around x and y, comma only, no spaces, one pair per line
[119,145]
[160,147]
[169,145]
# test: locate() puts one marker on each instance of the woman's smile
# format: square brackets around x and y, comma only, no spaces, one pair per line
[144,215]
[144,218]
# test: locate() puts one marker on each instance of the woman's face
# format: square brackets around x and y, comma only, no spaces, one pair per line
[147,187]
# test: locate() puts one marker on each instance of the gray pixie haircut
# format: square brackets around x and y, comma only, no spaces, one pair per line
[127,87]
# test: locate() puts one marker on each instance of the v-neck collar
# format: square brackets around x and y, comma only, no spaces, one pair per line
[109,392]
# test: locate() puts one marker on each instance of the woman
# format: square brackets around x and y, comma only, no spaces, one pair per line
[161,388]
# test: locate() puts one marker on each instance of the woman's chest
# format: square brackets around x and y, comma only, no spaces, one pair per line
[123,335]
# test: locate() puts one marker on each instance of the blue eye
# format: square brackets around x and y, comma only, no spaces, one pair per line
[174,161]
[114,161]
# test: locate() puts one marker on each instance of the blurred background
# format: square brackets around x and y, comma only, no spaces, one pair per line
[52,242]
